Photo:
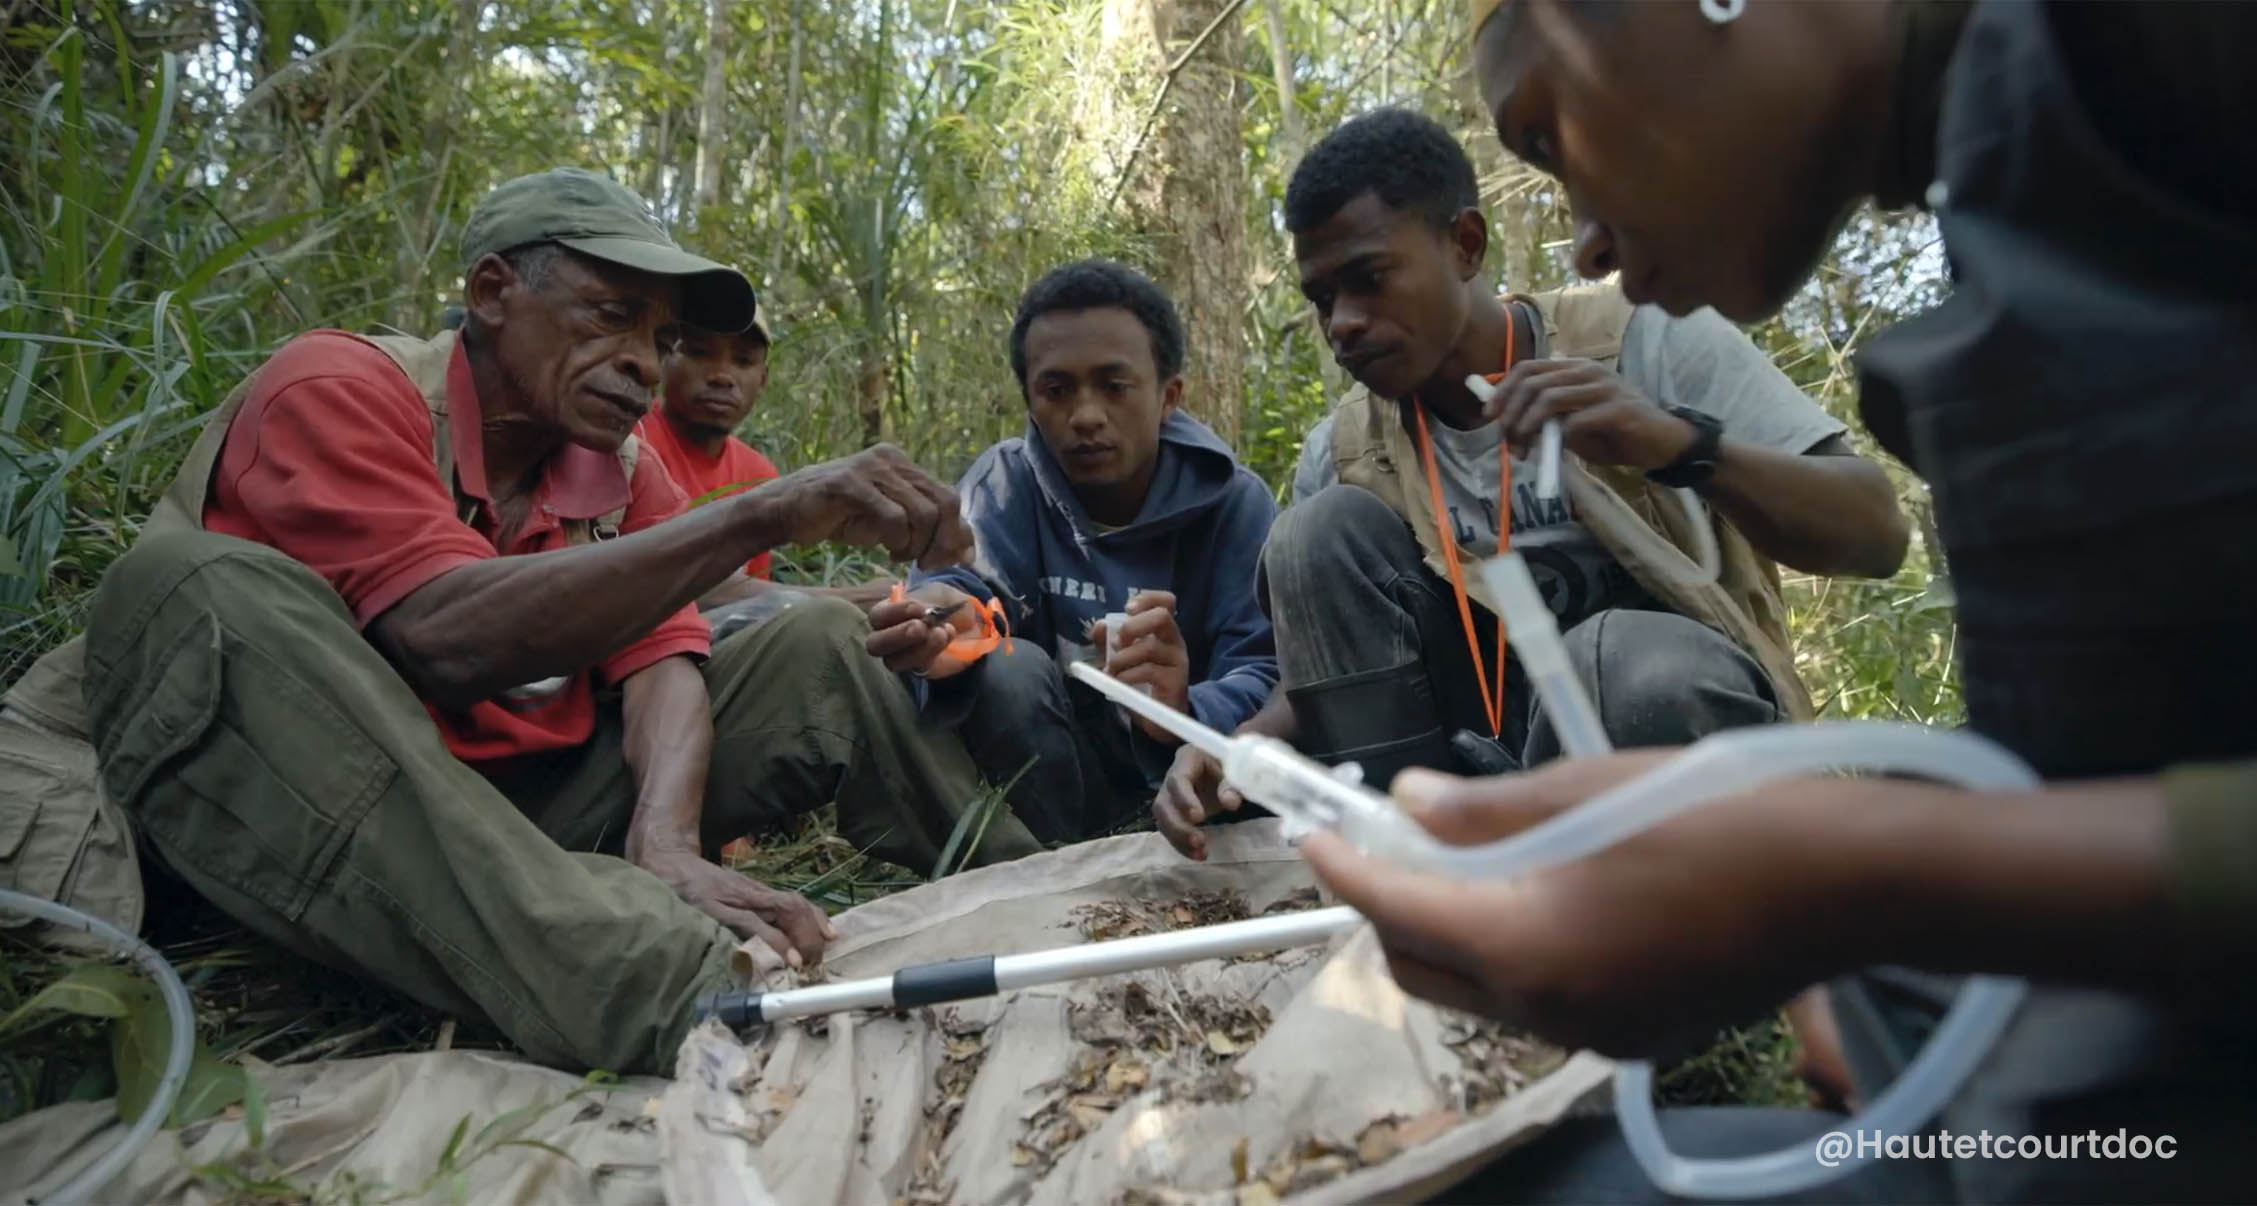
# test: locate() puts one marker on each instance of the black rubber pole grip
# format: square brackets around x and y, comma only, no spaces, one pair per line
[737,1008]
[955,980]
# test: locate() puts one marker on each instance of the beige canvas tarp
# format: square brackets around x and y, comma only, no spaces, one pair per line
[1306,1077]
[373,1130]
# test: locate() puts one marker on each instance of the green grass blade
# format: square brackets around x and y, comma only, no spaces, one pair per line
[51,491]
[971,828]
[254,1112]
[19,387]
[149,141]
[245,243]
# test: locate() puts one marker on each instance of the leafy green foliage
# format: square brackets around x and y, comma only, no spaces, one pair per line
[185,185]
[1750,1066]
[186,189]
[140,1040]
[93,990]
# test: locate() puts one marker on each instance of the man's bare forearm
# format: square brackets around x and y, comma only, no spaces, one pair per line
[668,746]
[494,624]
[1817,513]
[744,586]
[1274,719]
[2068,884]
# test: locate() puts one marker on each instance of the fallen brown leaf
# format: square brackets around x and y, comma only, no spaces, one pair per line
[1379,1143]
[1126,1074]
[1427,1127]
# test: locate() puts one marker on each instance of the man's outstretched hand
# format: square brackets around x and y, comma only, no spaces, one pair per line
[784,920]
[1704,921]
[1193,791]
[876,497]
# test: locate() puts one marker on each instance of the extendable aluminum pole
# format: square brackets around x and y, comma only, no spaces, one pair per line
[987,975]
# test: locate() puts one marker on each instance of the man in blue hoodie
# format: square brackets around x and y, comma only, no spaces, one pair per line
[1114,502]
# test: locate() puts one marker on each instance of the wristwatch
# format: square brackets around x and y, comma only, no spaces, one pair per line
[1694,465]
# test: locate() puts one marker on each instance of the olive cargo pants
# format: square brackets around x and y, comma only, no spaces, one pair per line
[271,758]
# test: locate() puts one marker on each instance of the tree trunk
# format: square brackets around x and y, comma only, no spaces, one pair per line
[709,114]
[419,254]
[1296,145]
[659,126]
[1187,188]
[774,268]
[1288,98]
[870,394]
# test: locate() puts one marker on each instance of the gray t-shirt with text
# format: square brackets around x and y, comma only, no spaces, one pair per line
[1699,361]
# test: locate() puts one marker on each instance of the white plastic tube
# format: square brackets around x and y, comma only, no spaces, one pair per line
[1722,765]
[1548,461]
[179,1011]
[1535,637]
[1706,560]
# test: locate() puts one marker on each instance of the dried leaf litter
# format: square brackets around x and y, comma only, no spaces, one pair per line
[1137,1037]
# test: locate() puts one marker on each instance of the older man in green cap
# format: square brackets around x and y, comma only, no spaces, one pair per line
[406,671]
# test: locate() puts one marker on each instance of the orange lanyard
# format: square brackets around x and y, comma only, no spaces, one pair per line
[1492,701]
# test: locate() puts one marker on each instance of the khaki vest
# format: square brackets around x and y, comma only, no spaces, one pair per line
[1641,524]
[61,838]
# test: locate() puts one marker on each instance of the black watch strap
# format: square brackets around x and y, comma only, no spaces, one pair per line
[1698,462]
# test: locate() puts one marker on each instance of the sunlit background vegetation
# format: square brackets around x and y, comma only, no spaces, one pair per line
[185,184]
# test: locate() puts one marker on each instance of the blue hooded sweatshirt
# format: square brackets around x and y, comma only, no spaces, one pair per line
[1199,536]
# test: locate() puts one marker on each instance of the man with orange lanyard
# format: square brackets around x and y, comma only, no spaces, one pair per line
[1389,656]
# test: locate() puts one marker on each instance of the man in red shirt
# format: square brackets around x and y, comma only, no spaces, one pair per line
[711,380]
[406,671]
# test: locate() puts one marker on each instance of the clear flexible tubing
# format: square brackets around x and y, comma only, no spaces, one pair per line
[1721,765]
[178,1011]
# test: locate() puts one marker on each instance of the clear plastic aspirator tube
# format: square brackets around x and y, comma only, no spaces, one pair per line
[1723,765]
[1309,795]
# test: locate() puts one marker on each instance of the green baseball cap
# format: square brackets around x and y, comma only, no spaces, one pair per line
[594,215]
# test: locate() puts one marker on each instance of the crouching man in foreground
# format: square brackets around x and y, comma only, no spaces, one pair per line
[406,672]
